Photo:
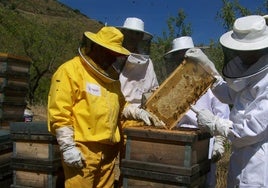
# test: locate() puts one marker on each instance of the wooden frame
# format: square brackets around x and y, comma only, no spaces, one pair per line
[181,89]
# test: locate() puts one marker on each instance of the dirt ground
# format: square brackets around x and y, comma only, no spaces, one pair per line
[40,112]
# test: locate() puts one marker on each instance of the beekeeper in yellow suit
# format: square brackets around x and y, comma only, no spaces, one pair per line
[84,106]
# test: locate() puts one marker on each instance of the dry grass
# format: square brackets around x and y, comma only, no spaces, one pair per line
[222,169]
[40,114]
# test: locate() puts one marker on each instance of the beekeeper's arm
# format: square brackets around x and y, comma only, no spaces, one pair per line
[71,155]
[132,111]
[206,120]
[198,56]
[253,127]
[59,118]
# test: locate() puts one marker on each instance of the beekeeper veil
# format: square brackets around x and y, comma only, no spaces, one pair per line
[136,40]
[175,56]
[245,50]
[109,38]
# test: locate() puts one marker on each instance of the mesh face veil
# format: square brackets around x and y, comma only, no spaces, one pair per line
[135,42]
[242,61]
[109,75]
[174,60]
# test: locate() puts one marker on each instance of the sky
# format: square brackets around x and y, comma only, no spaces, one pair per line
[201,14]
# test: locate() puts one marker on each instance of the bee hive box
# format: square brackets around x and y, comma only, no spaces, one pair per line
[165,158]
[36,160]
[5,155]
[14,65]
[182,88]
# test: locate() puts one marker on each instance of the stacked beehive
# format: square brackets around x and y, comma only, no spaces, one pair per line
[5,155]
[165,158]
[14,86]
[36,158]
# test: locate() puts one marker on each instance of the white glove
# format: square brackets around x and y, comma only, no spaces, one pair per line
[218,148]
[134,112]
[215,125]
[196,55]
[71,155]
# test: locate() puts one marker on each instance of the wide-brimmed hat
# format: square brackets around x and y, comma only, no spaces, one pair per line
[136,24]
[249,33]
[180,43]
[108,37]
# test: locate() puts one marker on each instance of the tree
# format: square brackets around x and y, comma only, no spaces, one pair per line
[233,9]
[47,39]
[227,15]
[176,28]
[45,45]
[47,48]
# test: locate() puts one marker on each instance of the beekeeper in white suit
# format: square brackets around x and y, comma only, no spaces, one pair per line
[138,75]
[208,101]
[246,88]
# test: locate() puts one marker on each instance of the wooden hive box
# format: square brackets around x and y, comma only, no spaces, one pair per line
[14,83]
[5,157]
[182,88]
[165,158]
[14,72]
[14,86]
[36,160]
[14,65]
[13,96]
[12,112]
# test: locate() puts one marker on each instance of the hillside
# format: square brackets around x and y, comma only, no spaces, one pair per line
[47,32]
[43,14]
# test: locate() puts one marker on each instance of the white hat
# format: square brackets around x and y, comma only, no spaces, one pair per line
[249,33]
[136,24]
[180,43]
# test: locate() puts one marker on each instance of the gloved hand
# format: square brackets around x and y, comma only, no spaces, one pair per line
[134,112]
[196,55]
[214,124]
[218,148]
[71,155]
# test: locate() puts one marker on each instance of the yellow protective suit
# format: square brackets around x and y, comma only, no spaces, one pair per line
[92,106]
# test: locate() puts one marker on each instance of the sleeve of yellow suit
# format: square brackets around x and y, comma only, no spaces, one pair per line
[60,101]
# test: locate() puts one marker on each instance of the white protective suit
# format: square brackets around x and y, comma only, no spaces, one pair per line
[249,96]
[210,102]
[207,101]
[137,77]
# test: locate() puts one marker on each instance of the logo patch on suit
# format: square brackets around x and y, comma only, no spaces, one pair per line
[93,89]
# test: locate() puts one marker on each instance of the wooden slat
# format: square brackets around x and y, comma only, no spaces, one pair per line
[35,150]
[6,56]
[172,154]
[170,169]
[12,99]
[158,176]
[12,112]
[34,179]
[35,165]
[178,135]
[132,182]
[29,128]
[15,83]
[30,131]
